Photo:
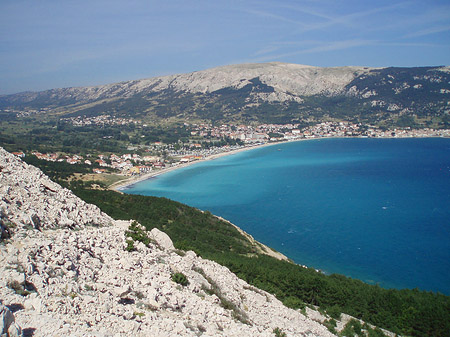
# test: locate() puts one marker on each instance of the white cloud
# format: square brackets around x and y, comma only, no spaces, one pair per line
[429,31]
[319,48]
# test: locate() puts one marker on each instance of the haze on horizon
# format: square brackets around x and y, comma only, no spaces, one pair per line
[51,44]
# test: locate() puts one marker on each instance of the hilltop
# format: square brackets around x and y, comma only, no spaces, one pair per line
[267,92]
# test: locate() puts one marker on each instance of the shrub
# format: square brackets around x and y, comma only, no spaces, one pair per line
[377,332]
[293,302]
[130,245]
[331,325]
[352,328]
[180,278]
[334,312]
[18,288]
[137,233]
[279,333]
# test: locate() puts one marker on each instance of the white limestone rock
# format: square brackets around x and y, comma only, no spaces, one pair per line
[86,283]
[162,239]
[8,326]
[29,199]
[289,82]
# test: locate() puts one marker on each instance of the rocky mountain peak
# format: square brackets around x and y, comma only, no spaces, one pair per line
[268,92]
[292,79]
[283,77]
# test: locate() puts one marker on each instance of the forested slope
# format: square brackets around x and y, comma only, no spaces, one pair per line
[408,312]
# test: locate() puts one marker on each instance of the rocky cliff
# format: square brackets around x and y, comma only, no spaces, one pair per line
[66,269]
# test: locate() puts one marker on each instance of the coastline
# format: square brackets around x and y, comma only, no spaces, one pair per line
[122,184]
[260,247]
[219,155]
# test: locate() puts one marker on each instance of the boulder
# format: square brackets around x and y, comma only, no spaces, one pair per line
[8,327]
[162,239]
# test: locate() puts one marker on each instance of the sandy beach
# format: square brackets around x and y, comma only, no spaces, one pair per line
[122,184]
[118,186]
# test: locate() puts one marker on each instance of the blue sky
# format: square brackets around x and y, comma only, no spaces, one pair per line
[61,43]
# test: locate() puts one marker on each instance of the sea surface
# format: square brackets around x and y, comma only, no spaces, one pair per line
[373,209]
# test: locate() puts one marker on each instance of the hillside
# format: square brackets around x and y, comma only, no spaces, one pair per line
[92,276]
[269,92]
[408,312]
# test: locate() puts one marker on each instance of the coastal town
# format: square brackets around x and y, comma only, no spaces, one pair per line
[159,156]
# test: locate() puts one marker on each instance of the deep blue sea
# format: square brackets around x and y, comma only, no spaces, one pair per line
[373,209]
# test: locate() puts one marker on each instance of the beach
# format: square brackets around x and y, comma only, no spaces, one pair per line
[120,185]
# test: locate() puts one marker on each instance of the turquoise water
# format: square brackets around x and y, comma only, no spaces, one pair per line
[373,209]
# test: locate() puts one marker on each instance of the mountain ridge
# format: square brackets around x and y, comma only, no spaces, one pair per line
[202,81]
[266,92]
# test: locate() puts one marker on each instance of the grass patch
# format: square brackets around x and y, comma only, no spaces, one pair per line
[180,278]
[279,333]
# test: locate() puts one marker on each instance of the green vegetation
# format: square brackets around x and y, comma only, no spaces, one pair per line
[410,312]
[136,233]
[355,328]
[352,328]
[180,278]
[331,325]
[130,246]
[57,171]
[279,333]
[375,332]
[49,135]
[190,228]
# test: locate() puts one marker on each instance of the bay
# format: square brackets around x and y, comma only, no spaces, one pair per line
[373,209]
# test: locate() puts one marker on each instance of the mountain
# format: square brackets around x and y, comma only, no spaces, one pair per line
[267,92]
[67,269]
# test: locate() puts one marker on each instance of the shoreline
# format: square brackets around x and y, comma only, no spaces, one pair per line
[123,184]
[247,235]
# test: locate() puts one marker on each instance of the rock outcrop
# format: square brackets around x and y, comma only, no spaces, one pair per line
[30,198]
[289,81]
[85,282]
[8,327]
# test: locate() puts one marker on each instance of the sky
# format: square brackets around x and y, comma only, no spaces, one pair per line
[63,43]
